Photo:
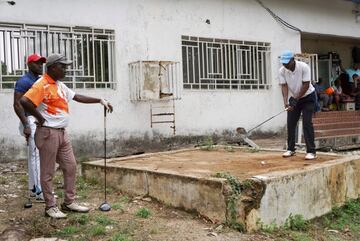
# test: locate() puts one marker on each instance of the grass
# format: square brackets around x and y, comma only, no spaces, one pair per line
[143,213]
[82,219]
[117,206]
[104,220]
[97,230]
[23,179]
[207,144]
[345,220]
[68,231]
[120,237]
[3,180]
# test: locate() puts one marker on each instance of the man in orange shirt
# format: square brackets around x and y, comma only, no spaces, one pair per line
[47,101]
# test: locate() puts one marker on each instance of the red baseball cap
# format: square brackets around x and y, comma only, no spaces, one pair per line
[35,58]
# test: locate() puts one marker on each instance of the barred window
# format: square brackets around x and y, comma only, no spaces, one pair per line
[225,64]
[91,50]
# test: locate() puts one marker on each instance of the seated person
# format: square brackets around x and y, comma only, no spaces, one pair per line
[339,95]
[356,94]
[324,94]
[354,69]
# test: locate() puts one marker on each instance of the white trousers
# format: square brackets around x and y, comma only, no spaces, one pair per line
[33,156]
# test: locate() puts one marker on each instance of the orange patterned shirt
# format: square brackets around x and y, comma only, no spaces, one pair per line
[51,98]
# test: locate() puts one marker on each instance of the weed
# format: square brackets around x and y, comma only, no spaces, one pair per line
[236,187]
[269,228]
[117,206]
[296,223]
[67,231]
[119,237]
[22,179]
[103,220]
[124,199]
[93,181]
[207,144]
[59,193]
[98,230]
[247,184]
[3,180]
[143,213]
[83,219]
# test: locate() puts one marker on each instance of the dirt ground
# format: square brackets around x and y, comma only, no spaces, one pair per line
[164,223]
[242,163]
[127,220]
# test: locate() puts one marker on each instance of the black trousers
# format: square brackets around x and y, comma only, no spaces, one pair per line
[306,106]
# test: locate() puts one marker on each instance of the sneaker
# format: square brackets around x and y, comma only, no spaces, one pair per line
[288,154]
[32,194]
[74,207]
[39,198]
[310,156]
[54,212]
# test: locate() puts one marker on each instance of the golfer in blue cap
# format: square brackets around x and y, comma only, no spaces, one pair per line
[299,97]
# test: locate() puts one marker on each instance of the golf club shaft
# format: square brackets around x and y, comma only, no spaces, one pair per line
[266,121]
[105,150]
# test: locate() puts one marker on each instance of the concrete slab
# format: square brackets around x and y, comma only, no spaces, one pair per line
[236,185]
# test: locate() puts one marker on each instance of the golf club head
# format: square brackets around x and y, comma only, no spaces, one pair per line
[241,131]
[105,207]
[28,204]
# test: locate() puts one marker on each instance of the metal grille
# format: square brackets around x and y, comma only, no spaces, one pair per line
[92,51]
[225,64]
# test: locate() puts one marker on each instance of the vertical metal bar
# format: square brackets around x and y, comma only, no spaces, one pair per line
[193,64]
[73,52]
[246,62]
[141,78]
[12,59]
[6,53]
[187,65]
[1,56]
[225,63]
[82,55]
[239,57]
[88,53]
[93,55]
[257,66]
[109,61]
[101,62]
[235,65]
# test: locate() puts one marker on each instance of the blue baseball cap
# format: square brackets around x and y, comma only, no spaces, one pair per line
[286,56]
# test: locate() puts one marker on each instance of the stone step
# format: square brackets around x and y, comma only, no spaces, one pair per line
[336,119]
[330,114]
[337,132]
[336,126]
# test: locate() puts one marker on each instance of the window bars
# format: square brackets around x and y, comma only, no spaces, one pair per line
[212,64]
[92,51]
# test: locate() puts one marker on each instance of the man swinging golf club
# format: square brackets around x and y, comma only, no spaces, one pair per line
[294,77]
[47,101]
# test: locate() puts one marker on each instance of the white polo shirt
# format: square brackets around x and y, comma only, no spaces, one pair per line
[294,79]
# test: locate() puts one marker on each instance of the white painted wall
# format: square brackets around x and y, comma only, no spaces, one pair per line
[152,30]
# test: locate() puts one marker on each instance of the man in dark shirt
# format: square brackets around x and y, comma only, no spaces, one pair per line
[27,125]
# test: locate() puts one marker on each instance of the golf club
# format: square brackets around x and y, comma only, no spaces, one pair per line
[245,134]
[28,204]
[105,207]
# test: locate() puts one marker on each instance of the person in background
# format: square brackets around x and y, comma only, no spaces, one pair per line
[356,94]
[27,123]
[324,94]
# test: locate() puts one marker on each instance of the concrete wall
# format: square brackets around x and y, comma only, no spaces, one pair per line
[151,30]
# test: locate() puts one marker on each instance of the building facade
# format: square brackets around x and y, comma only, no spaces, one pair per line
[227,52]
